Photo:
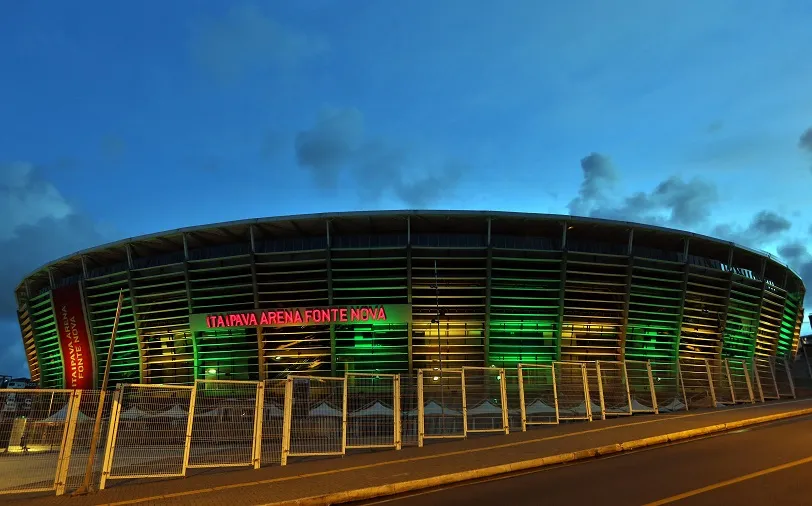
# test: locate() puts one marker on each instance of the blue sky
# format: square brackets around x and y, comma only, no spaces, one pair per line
[121,119]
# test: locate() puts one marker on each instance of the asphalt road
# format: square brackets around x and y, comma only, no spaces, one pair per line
[764,465]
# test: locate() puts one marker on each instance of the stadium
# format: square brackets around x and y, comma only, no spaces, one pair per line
[393,292]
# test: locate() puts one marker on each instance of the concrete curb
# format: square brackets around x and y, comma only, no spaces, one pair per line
[488,472]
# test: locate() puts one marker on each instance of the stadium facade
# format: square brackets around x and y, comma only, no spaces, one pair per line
[371,292]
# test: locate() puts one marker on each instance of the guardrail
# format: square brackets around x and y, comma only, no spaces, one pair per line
[161,431]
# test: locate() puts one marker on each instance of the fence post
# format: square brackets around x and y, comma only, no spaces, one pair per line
[602,405]
[421,410]
[187,442]
[344,417]
[464,402]
[626,382]
[650,374]
[63,462]
[775,378]
[112,432]
[730,380]
[287,419]
[522,407]
[710,383]
[503,398]
[788,368]
[587,398]
[555,393]
[757,380]
[396,413]
[259,415]
[747,381]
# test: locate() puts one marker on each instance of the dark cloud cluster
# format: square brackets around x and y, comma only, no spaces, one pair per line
[247,40]
[37,225]
[673,202]
[765,227]
[805,143]
[337,147]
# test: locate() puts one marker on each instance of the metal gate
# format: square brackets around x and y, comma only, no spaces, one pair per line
[373,410]
[572,391]
[642,392]
[485,395]
[538,400]
[440,404]
[614,381]
[150,429]
[315,418]
[37,434]
[226,424]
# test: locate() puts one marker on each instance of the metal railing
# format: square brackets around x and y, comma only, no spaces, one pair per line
[160,431]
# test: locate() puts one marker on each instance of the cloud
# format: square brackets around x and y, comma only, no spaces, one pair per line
[673,202]
[805,142]
[337,146]
[798,256]
[37,225]
[765,228]
[247,40]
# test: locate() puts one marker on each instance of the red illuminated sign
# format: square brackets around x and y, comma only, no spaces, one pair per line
[78,354]
[299,316]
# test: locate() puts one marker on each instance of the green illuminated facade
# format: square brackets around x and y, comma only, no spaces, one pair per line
[509,288]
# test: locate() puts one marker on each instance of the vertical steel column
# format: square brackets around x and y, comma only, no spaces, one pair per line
[627,296]
[504,400]
[488,263]
[763,278]
[261,370]
[142,359]
[410,325]
[421,410]
[328,255]
[723,330]
[195,352]
[681,314]
[287,420]
[259,412]
[562,291]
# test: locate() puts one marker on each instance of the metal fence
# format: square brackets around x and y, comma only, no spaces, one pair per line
[159,431]
[538,400]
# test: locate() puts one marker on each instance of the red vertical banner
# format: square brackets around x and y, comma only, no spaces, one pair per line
[74,337]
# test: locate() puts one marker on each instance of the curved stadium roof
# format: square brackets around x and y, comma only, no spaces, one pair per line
[312,224]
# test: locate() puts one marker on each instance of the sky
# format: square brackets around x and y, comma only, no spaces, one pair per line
[120,119]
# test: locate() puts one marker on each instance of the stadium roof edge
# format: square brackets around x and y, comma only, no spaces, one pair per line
[405,213]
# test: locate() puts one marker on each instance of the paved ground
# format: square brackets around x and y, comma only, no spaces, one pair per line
[691,473]
[271,484]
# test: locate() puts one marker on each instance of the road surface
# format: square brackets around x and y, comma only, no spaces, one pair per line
[764,465]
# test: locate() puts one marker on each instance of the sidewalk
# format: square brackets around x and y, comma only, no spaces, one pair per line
[317,477]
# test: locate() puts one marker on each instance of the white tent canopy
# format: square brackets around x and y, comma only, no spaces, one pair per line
[537,407]
[173,412]
[273,411]
[61,416]
[376,409]
[324,409]
[432,408]
[133,413]
[485,408]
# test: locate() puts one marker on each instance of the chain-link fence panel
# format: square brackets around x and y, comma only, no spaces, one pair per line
[763,374]
[150,426]
[666,380]
[740,379]
[641,386]
[572,391]
[614,380]
[408,410]
[82,440]
[783,377]
[227,423]
[35,429]
[485,400]
[440,404]
[513,399]
[595,389]
[697,383]
[537,395]
[273,415]
[315,417]
[373,410]
[722,383]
